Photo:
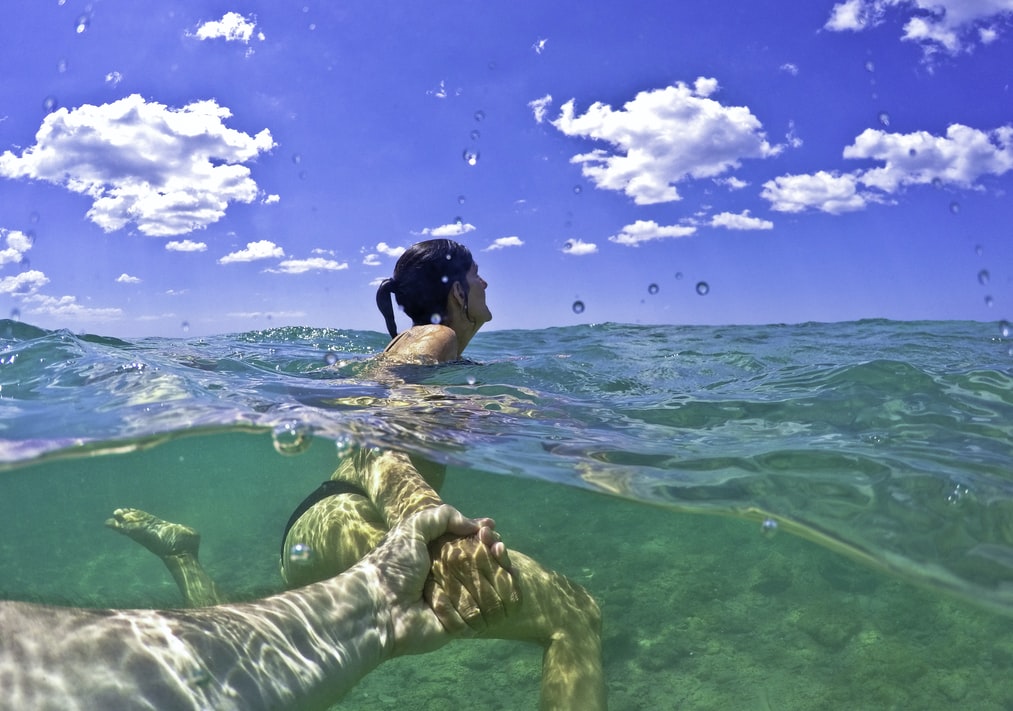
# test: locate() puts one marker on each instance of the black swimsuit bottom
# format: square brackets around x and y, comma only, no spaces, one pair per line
[331,487]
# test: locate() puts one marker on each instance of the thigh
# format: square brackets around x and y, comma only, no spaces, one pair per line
[330,537]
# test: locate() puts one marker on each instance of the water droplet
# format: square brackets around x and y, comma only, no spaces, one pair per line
[1004,328]
[954,207]
[458,220]
[460,199]
[291,437]
[937,182]
[50,104]
[703,288]
[476,134]
[989,301]
[652,289]
[330,358]
[979,250]
[61,66]
[912,152]
[577,190]
[869,66]
[678,275]
[185,326]
[445,279]
[34,217]
[302,175]
[15,314]
[436,319]
[884,118]
[300,554]
[567,245]
[82,24]
[578,307]
[983,276]
[470,156]
[768,527]
[297,158]
[480,115]
[471,380]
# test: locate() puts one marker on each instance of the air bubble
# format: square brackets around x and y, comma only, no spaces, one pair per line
[1004,329]
[578,307]
[652,289]
[678,275]
[979,250]
[436,319]
[297,158]
[292,437]
[989,301]
[300,554]
[577,190]
[983,277]
[330,358]
[458,221]
[470,156]
[937,182]
[954,207]
[476,134]
[185,327]
[869,66]
[445,279]
[884,118]
[471,380]
[62,66]
[480,115]
[768,527]
[703,288]
[50,104]
[15,314]
[82,24]
[460,199]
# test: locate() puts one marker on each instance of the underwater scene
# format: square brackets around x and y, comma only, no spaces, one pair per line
[770,517]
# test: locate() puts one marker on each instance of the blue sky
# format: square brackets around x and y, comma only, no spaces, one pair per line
[187,168]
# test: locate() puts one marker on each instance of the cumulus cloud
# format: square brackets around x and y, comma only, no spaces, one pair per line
[67,307]
[951,26]
[663,137]
[741,221]
[17,244]
[301,266]
[395,252]
[262,249]
[168,171]
[961,158]
[23,284]
[579,248]
[233,27]
[648,230]
[186,245]
[504,242]
[454,229]
[371,260]
[125,278]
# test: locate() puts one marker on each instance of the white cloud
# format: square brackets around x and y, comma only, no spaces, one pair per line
[828,192]
[23,284]
[68,307]
[386,249]
[539,45]
[454,229]
[125,278]
[790,68]
[113,78]
[17,244]
[233,27]
[301,266]
[731,182]
[271,199]
[371,260]
[579,248]
[540,107]
[961,158]
[504,242]
[647,230]
[742,221]
[262,249]
[952,26]
[664,137]
[169,171]
[186,245]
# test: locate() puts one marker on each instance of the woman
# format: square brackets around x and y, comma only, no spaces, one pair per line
[437,284]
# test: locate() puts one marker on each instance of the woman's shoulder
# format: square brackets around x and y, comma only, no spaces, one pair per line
[430,343]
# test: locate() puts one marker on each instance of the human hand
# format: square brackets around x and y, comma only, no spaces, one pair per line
[472,584]
[402,566]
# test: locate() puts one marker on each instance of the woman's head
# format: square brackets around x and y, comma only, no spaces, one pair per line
[423,278]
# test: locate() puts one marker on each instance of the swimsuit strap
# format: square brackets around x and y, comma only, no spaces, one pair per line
[331,487]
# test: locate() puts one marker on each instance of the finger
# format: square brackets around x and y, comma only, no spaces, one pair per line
[432,523]
[444,609]
[476,572]
[449,582]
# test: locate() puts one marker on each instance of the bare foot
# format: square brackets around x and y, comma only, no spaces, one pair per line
[160,537]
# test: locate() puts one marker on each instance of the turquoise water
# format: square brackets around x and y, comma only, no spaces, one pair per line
[855,548]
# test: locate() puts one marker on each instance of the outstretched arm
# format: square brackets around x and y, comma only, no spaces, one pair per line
[301,649]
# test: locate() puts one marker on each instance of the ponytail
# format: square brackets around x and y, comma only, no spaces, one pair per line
[384,303]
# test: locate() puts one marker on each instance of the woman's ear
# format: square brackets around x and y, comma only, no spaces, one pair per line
[458,291]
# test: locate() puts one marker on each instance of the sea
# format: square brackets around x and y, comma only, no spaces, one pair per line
[811,516]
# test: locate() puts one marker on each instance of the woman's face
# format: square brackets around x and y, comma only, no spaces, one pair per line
[477,308]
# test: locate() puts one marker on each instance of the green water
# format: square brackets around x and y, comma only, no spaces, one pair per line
[701,612]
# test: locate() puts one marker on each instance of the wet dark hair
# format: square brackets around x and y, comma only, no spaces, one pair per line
[423,278]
